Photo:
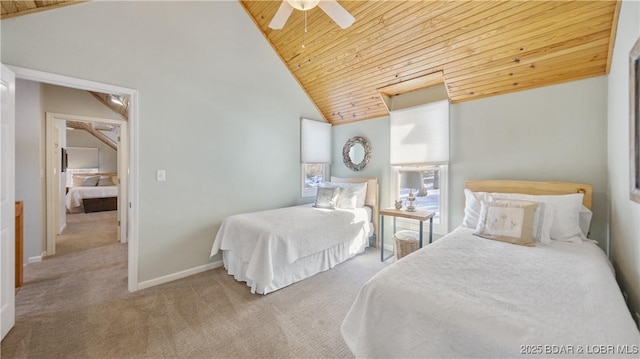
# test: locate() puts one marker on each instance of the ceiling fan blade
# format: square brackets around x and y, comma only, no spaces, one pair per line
[281,16]
[337,13]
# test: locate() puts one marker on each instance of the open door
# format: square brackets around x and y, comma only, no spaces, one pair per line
[7,201]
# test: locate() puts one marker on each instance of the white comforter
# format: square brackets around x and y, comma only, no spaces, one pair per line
[465,296]
[275,238]
[76,194]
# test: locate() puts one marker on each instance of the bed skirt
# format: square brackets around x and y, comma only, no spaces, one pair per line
[302,268]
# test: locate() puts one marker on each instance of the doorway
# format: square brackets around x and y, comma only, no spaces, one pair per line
[56,174]
[129,166]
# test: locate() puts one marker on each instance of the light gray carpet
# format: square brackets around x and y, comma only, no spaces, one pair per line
[76,305]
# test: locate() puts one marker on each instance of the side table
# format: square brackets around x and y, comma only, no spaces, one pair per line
[420,216]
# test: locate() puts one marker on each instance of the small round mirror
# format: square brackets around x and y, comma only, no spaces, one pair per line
[356,153]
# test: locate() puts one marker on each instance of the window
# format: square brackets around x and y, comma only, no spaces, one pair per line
[431,197]
[313,175]
[315,155]
[419,141]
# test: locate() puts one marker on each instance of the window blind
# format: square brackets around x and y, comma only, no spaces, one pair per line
[82,157]
[315,141]
[420,135]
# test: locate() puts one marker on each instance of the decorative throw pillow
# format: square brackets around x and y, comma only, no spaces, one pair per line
[507,221]
[542,220]
[327,197]
[90,181]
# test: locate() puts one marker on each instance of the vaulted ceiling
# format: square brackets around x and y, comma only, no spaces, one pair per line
[483,48]
[480,48]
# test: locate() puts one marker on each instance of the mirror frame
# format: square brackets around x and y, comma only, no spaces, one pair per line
[347,148]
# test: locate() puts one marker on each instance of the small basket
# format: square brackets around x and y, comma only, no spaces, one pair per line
[406,242]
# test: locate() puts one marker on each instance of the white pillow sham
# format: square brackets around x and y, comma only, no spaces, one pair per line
[352,195]
[585,216]
[472,207]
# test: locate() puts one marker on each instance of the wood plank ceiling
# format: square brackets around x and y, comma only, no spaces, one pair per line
[483,48]
[13,8]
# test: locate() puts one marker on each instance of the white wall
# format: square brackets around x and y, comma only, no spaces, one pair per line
[30,181]
[551,133]
[107,156]
[555,133]
[624,216]
[218,111]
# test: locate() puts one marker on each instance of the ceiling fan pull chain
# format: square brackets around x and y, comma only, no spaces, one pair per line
[304,37]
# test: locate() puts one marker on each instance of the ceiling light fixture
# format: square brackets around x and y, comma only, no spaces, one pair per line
[303,5]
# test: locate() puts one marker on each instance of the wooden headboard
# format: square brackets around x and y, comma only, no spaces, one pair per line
[532,187]
[372,198]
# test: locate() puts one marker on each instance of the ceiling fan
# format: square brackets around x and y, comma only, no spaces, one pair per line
[331,7]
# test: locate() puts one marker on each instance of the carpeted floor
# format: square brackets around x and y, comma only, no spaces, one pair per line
[76,305]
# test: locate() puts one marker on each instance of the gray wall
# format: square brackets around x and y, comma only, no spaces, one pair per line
[550,133]
[30,182]
[624,216]
[218,111]
[33,100]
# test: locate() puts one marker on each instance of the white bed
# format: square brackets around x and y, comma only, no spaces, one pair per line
[272,249]
[74,197]
[466,296]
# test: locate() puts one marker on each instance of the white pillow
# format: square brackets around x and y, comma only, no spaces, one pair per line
[90,181]
[543,218]
[472,207]
[349,190]
[566,207]
[585,216]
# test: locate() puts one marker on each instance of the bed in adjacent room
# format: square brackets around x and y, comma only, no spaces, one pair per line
[490,290]
[272,249]
[92,193]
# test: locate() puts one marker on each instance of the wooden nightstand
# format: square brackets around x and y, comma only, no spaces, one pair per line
[420,216]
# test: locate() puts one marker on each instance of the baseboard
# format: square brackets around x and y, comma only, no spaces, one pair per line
[178,275]
[35,259]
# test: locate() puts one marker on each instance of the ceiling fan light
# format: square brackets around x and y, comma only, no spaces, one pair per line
[303,5]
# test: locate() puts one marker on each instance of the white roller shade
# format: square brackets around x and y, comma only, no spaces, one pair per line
[82,157]
[420,135]
[315,141]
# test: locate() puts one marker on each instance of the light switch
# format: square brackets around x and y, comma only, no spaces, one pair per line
[160,176]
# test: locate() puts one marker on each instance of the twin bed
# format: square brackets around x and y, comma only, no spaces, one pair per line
[272,249]
[467,296]
[463,295]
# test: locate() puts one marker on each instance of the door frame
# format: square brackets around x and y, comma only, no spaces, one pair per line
[132,152]
[53,174]
[7,182]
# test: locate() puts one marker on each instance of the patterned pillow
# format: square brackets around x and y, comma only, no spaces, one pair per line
[327,197]
[507,221]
